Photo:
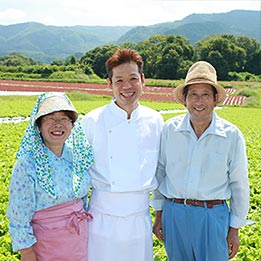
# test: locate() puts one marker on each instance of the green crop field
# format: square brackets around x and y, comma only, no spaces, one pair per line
[247,119]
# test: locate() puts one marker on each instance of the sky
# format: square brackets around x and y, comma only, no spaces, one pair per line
[113,12]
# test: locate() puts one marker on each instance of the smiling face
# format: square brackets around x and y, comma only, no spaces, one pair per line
[200,102]
[55,128]
[126,84]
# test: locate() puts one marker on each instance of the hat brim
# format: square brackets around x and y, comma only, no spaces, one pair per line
[55,104]
[179,96]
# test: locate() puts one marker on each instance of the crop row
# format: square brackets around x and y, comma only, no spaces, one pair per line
[244,118]
[149,92]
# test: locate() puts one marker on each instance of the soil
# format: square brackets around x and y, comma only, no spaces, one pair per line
[149,92]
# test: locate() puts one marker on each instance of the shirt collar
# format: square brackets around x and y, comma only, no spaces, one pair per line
[216,126]
[122,113]
[66,154]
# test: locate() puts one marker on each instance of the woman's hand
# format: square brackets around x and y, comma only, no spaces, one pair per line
[28,254]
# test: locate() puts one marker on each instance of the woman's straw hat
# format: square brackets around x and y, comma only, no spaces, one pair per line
[54,104]
[200,72]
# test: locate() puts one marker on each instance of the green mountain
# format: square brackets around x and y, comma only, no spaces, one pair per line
[197,26]
[48,43]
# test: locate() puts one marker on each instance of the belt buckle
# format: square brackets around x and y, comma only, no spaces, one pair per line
[185,201]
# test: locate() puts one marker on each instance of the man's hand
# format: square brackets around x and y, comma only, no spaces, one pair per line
[157,227]
[233,242]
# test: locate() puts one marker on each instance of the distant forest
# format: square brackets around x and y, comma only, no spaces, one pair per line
[46,43]
[165,57]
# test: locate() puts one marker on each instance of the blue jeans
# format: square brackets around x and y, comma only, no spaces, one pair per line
[193,233]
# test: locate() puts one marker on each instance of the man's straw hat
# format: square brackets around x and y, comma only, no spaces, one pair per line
[200,72]
[54,104]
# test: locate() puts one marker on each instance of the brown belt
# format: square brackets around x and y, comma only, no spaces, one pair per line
[197,203]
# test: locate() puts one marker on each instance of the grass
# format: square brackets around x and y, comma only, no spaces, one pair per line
[14,106]
[247,119]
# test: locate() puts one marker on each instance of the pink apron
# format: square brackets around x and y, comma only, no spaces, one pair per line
[61,232]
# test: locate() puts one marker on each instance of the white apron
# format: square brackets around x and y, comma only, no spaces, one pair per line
[121,227]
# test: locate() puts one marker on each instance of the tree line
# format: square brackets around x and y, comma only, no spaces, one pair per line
[165,57]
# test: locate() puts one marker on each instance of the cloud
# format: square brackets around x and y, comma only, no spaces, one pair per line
[12,14]
[113,12]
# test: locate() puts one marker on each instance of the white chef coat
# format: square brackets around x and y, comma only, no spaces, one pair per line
[125,154]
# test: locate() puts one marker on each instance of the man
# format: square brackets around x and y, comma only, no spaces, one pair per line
[202,162]
[125,137]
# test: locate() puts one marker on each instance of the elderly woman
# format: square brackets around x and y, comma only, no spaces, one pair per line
[49,184]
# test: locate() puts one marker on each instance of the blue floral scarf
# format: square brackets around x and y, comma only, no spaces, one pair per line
[77,141]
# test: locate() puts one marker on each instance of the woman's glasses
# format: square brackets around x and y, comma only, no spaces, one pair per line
[53,120]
